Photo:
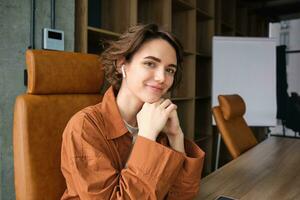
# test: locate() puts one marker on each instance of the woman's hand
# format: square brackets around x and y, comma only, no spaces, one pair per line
[153,117]
[174,132]
[172,127]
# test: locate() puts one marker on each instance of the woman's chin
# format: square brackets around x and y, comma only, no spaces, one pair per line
[151,96]
[152,99]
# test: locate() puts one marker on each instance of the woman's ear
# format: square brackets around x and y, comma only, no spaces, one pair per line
[120,62]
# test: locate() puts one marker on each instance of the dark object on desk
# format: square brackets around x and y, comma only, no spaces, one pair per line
[225,198]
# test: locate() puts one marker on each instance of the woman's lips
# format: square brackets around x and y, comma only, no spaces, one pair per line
[155,88]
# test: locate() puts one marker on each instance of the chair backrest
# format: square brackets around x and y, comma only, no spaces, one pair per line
[234,130]
[59,85]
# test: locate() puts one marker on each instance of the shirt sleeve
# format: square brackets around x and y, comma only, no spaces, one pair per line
[89,166]
[187,184]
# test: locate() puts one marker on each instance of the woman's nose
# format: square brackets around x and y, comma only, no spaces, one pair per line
[159,75]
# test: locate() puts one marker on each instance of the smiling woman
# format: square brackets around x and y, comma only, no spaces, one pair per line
[150,73]
[131,145]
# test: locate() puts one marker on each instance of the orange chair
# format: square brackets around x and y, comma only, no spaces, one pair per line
[59,85]
[234,130]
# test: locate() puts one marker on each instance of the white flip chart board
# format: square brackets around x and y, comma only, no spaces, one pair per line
[247,66]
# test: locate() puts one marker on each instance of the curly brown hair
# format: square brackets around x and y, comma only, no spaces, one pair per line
[129,43]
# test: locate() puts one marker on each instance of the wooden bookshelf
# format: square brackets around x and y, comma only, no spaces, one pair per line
[228,16]
[97,21]
[234,18]
[205,29]
[241,20]
[161,7]
[204,77]
[186,112]
[188,79]
[184,26]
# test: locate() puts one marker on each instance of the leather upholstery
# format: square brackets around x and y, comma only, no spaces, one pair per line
[235,132]
[56,72]
[41,115]
[229,111]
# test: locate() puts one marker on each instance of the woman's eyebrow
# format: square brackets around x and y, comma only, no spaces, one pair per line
[159,60]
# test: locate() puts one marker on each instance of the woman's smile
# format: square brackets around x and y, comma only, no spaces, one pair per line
[155,88]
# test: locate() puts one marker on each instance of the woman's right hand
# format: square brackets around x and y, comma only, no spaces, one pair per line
[153,117]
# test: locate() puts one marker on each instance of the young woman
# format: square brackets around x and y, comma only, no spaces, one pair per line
[131,146]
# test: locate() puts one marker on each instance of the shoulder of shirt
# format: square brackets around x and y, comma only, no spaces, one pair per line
[90,114]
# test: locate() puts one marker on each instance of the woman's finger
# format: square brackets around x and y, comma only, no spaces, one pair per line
[165,103]
[170,108]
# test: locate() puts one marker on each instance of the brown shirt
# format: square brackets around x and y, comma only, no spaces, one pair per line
[99,161]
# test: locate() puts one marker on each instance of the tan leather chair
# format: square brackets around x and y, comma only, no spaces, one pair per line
[59,85]
[234,130]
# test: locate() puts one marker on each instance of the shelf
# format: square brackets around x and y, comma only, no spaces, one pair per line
[206,6]
[181,5]
[203,77]
[188,53]
[203,97]
[104,32]
[228,11]
[186,88]
[154,11]
[257,26]
[184,27]
[185,110]
[100,14]
[205,142]
[203,118]
[181,98]
[239,33]
[241,20]
[203,130]
[202,138]
[205,32]
[203,15]
[227,30]
[226,26]
[98,38]
[204,55]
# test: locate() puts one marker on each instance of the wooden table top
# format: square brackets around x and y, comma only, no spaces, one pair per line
[270,170]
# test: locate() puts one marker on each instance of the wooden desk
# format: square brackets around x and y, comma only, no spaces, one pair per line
[270,170]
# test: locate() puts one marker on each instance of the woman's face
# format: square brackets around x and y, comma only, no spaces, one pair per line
[150,73]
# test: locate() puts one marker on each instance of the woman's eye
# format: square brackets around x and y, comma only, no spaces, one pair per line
[150,64]
[171,71]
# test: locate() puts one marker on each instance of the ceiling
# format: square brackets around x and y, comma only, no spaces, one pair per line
[274,10]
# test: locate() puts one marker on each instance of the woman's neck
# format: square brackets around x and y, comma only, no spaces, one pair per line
[129,105]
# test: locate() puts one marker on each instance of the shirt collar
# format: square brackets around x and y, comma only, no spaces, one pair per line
[112,116]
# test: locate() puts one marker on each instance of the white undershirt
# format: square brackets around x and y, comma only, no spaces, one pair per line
[133,130]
